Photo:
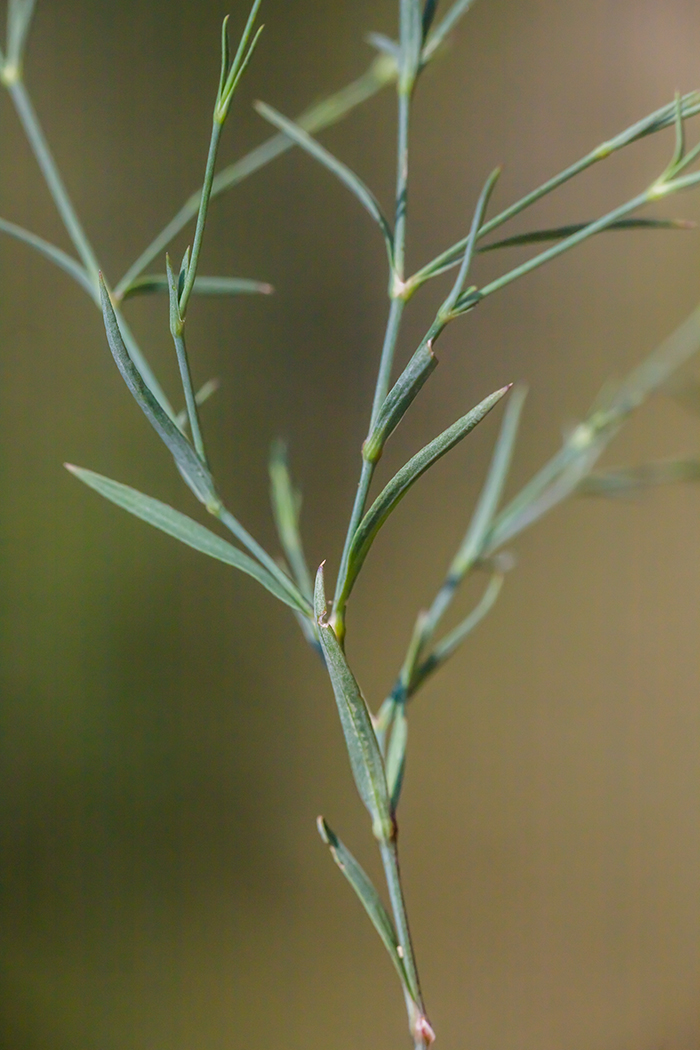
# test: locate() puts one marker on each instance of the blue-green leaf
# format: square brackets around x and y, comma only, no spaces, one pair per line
[399,399]
[186,459]
[396,755]
[154,283]
[52,253]
[559,233]
[399,485]
[360,739]
[182,528]
[348,177]
[369,898]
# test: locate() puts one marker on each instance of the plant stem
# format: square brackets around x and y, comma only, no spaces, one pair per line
[390,860]
[388,350]
[45,160]
[325,113]
[205,196]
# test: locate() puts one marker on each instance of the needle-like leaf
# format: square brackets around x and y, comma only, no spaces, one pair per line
[348,177]
[399,399]
[182,528]
[445,27]
[360,739]
[369,898]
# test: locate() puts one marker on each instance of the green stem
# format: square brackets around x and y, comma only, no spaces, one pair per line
[654,193]
[332,109]
[45,160]
[205,196]
[648,125]
[390,861]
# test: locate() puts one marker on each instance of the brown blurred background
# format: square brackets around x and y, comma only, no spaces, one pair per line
[167,740]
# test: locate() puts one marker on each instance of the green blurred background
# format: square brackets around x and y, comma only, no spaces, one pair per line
[167,740]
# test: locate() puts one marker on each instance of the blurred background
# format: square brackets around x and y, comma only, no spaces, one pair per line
[166,738]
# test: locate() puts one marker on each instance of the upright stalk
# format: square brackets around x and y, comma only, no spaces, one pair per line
[391,336]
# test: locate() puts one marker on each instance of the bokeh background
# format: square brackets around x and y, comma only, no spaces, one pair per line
[167,741]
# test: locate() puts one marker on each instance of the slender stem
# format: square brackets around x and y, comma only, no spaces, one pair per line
[390,861]
[387,359]
[588,231]
[648,125]
[325,113]
[205,196]
[388,349]
[401,186]
[45,160]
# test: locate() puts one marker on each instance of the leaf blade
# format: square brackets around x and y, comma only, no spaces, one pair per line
[341,171]
[405,478]
[360,738]
[186,459]
[157,283]
[369,898]
[180,527]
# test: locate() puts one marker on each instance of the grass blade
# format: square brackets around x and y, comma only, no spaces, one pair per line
[369,898]
[55,255]
[187,461]
[399,485]
[157,283]
[340,170]
[360,739]
[181,528]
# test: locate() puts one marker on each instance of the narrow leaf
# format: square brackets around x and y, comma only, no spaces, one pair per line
[52,253]
[360,739]
[559,233]
[399,485]
[396,755]
[492,491]
[203,394]
[286,507]
[340,170]
[445,27]
[369,898]
[451,642]
[399,399]
[626,481]
[19,19]
[384,44]
[154,283]
[186,459]
[181,528]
